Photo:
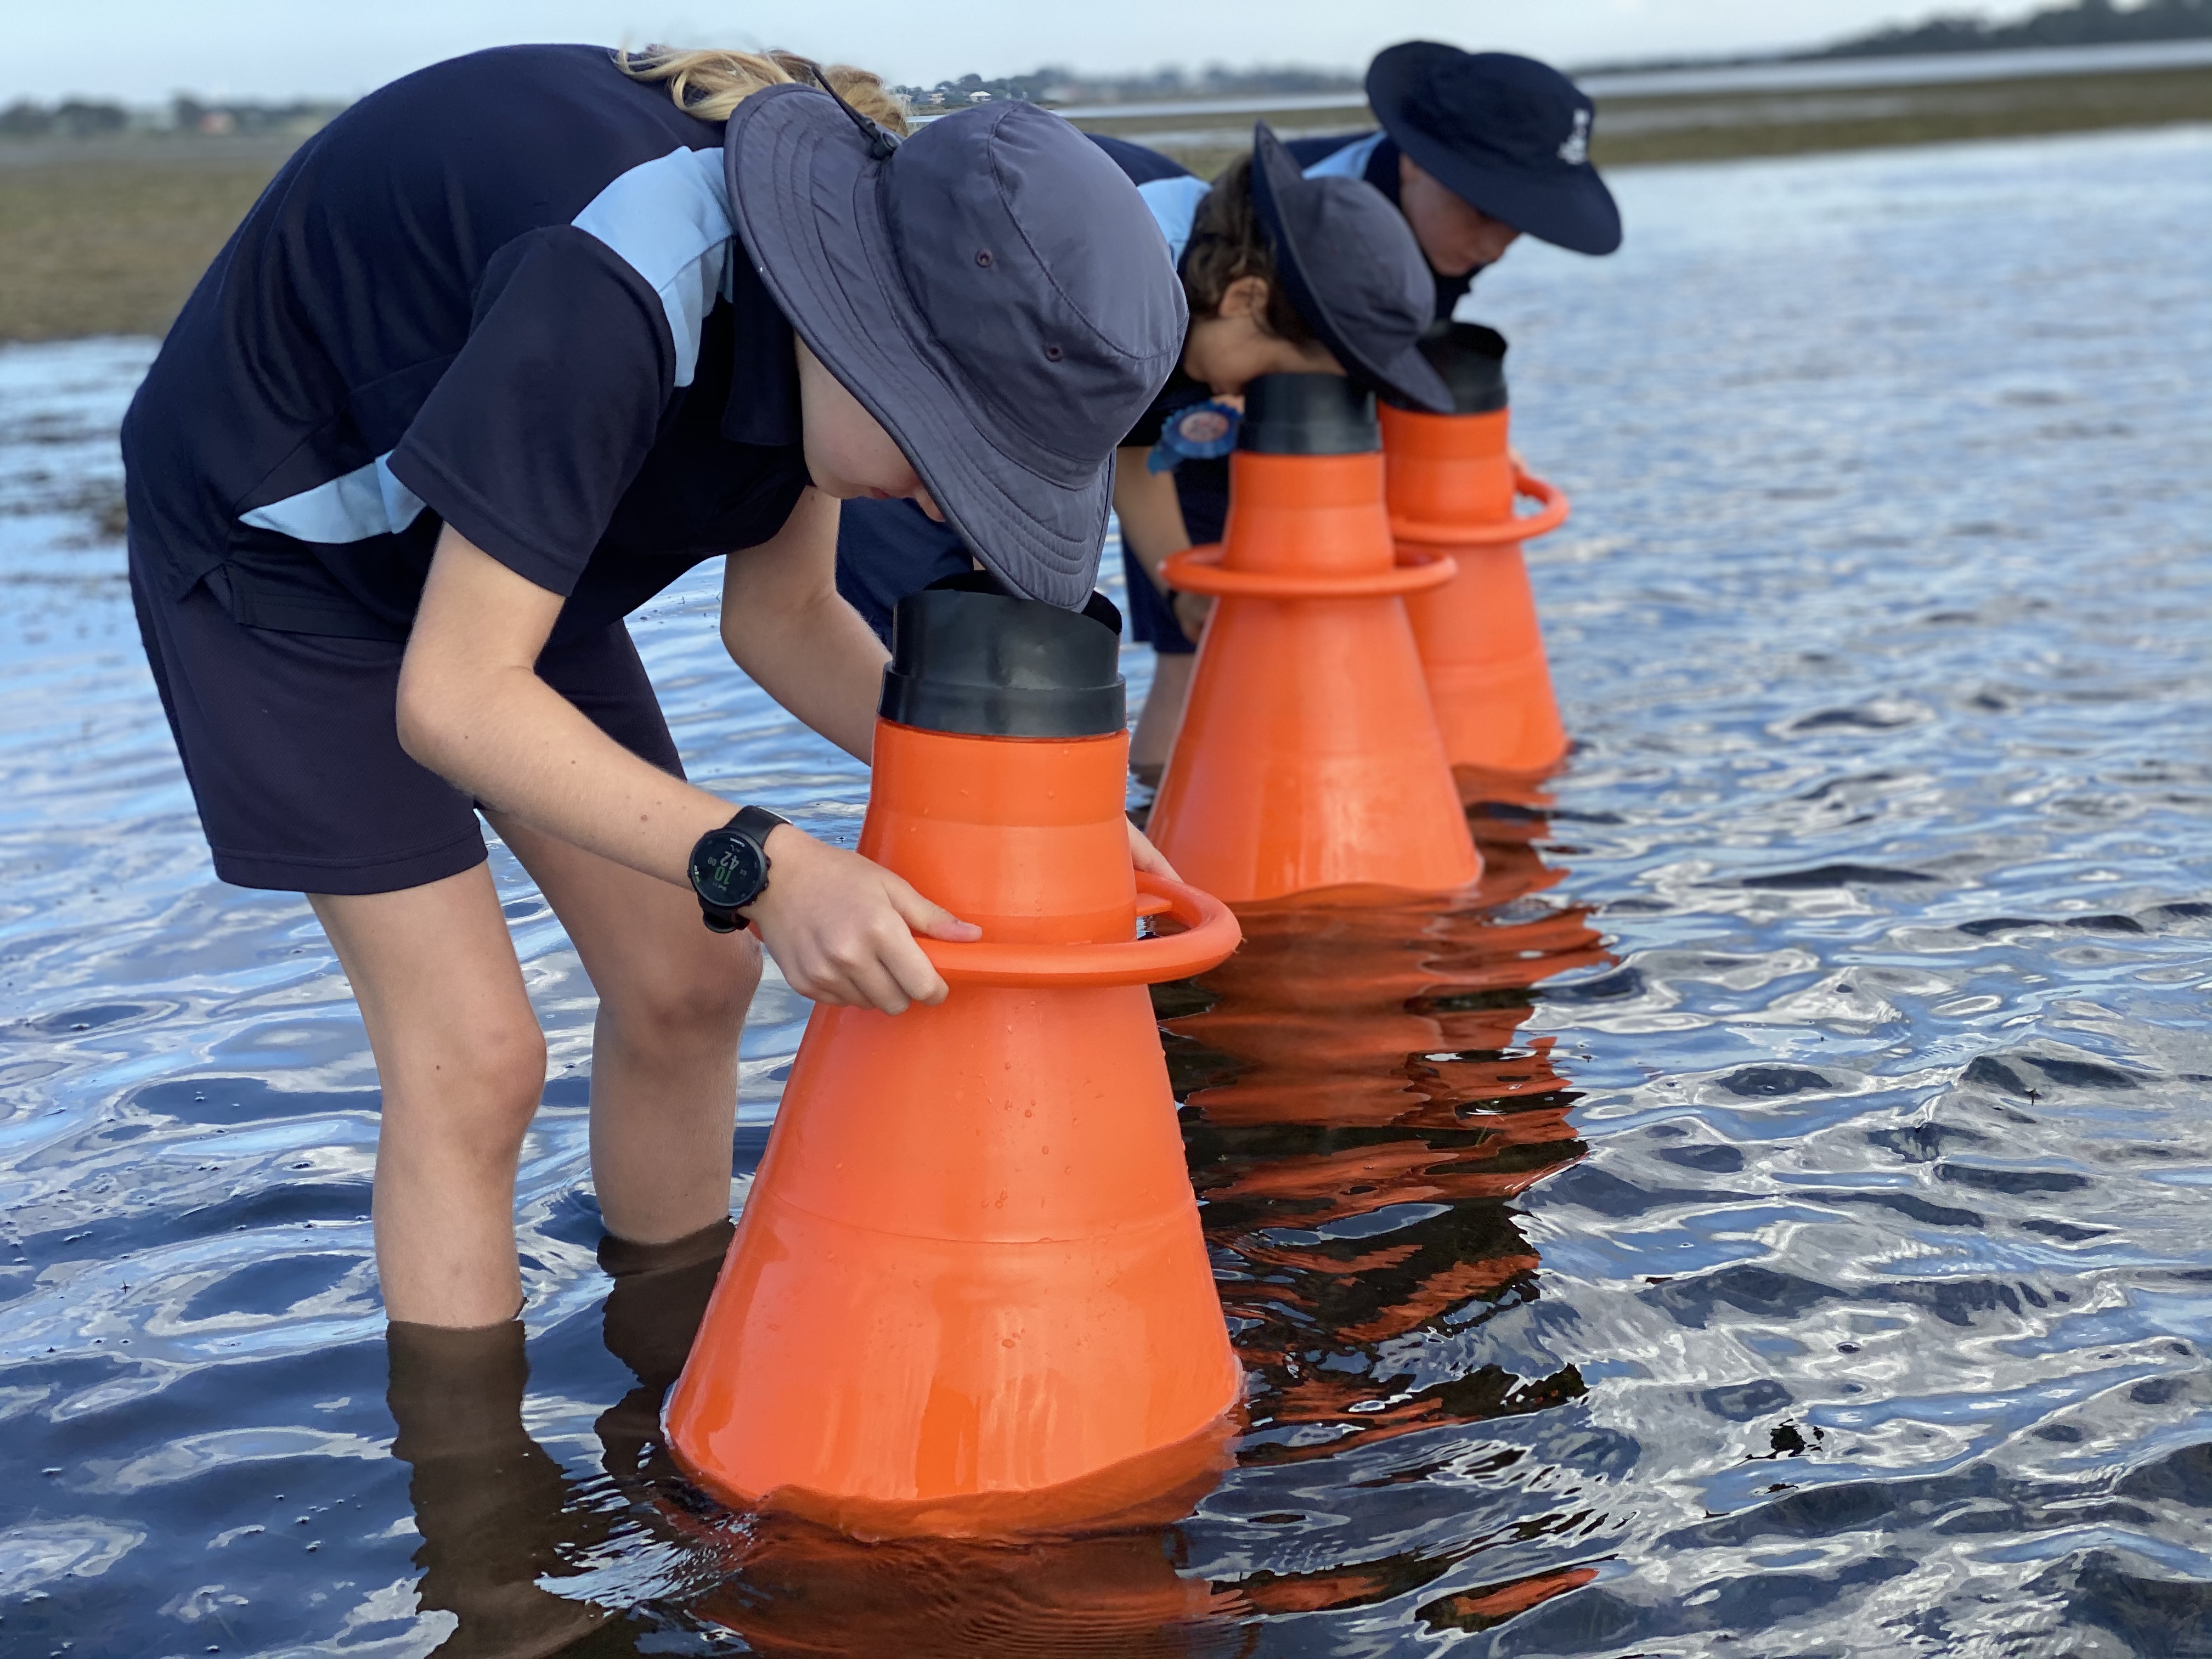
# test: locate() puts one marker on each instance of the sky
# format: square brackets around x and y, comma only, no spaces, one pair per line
[143,51]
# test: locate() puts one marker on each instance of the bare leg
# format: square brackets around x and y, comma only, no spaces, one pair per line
[672,1001]
[462,1063]
[1155,727]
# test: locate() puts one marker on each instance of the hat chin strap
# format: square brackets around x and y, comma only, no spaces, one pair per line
[881,141]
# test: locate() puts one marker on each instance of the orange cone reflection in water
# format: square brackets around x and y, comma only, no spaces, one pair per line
[795,1588]
[1308,757]
[968,1293]
[1328,1008]
[1376,1110]
[1451,484]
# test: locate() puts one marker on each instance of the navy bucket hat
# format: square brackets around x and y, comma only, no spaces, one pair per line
[1506,134]
[992,290]
[1353,271]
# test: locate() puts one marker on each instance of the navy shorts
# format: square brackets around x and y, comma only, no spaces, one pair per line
[291,745]
[1203,490]
[1152,610]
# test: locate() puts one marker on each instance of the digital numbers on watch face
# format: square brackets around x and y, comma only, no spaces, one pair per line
[726,869]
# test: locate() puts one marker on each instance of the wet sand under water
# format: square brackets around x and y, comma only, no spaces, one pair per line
[1769,1217]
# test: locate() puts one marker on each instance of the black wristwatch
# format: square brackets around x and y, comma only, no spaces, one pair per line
[729,867]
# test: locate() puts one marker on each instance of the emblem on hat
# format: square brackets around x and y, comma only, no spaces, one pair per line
[1576,149]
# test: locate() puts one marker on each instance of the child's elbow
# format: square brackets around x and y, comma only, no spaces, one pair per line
[426,719]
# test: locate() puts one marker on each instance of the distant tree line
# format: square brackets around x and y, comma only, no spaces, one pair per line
[189,114]
[1057,84]
[73,118]
[2084,23]
[80,118]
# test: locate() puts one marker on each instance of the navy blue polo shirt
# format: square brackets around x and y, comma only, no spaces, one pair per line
[501,293]
[1373,156]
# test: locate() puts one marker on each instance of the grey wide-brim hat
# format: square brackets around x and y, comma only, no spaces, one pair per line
[992,290]
[1354,271]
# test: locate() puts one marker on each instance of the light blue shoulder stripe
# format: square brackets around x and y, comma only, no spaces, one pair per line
[1174,202]
[669,221]
[1350,163]
[366,502]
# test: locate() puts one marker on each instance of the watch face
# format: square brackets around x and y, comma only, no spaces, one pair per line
[727,869]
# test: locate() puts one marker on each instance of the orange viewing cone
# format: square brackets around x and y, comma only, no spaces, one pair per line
[1451,487]
[1308,757]
[969,1294]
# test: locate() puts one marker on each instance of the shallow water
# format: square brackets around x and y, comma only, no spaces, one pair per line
[1772,1221]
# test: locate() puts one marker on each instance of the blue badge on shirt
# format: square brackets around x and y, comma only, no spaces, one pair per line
[1203,432]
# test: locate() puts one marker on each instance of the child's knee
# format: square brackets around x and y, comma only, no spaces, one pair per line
[688,1003]
[474,1091]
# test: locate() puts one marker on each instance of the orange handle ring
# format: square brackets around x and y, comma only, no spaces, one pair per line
[1198,570]
[1417,533]
[1211,935]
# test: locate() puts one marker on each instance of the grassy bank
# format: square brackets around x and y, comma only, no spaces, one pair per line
[1634,131]
[108,237]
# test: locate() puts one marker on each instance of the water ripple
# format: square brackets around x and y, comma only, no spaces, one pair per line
[1770,1215]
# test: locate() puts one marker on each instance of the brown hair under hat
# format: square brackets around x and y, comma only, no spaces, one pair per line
[1227,244]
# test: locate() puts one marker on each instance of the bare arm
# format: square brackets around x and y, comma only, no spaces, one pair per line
[472,709]
[1150,511]
[785,625]
[1151,525]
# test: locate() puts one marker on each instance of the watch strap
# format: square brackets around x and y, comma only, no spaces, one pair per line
[756,822]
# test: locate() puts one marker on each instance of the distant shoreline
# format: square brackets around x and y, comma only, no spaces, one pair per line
[1735,74]
[1635,130]
[108,236]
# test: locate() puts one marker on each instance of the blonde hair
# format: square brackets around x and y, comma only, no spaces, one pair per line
[709,83]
